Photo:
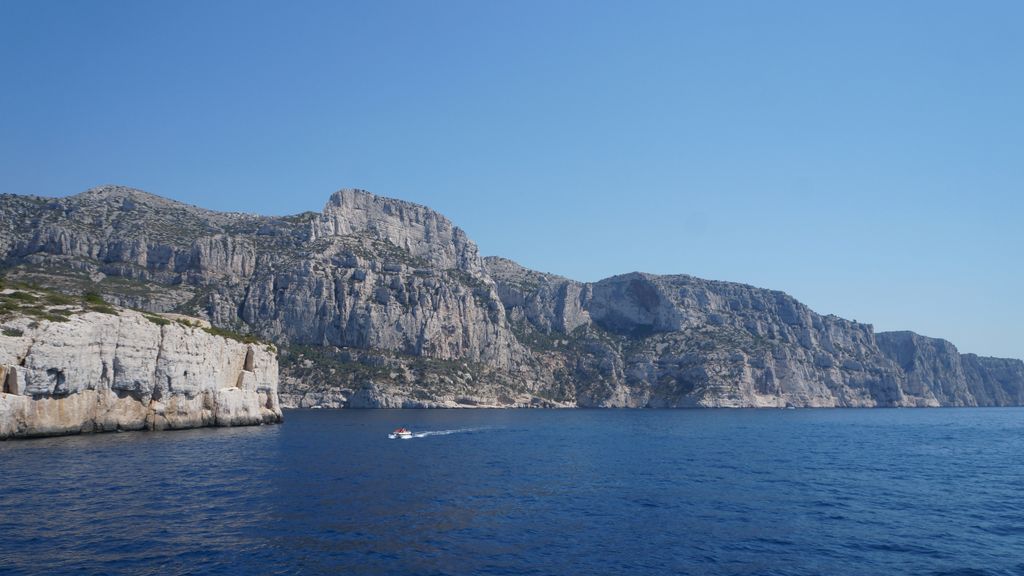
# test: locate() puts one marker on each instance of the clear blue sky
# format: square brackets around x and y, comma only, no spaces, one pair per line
[866,157]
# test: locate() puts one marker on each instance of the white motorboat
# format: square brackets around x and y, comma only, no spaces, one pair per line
[403,433]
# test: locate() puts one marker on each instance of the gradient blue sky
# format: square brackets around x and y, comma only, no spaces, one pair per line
[866,157]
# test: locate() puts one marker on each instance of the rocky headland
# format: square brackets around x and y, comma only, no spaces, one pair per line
[70,365]
[376,302]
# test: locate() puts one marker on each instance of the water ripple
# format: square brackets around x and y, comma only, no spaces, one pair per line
[929,492]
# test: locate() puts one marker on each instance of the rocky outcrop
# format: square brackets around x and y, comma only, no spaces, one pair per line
[937,372]
[376,302]
[122,370]
[416,230]
[931,367]
[994,381]
[546,301]
[367,272]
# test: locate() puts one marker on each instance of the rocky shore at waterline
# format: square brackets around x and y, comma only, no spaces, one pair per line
[69,366]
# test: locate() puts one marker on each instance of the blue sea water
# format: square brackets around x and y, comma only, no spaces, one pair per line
[927,491]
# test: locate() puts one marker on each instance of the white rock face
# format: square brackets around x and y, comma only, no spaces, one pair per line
[102,372]
[421,231]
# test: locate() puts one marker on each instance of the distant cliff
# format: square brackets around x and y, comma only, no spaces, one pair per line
[377,302]
[68,367]
[933,368]
[667,341]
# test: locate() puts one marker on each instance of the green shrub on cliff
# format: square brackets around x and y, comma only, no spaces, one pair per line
[95,303]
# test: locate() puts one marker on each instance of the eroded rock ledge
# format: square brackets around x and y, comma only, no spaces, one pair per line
[102,371]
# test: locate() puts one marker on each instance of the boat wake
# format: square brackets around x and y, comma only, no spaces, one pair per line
[444,432]
[429,433]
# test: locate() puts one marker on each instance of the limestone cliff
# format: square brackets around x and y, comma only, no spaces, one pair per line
[376,302]
[366,272]
[66,369]
[994,381]
[669,341]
